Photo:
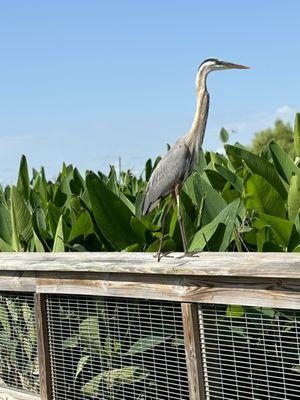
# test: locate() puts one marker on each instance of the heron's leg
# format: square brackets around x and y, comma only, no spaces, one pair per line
[181,226]
[160,254]
[180,220]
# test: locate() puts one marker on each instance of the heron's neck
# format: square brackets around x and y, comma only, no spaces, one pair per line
[196,133]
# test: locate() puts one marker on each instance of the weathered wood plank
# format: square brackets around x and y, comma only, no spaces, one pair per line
[193,351]
[261,292]
[17,281]
[272,265]
[43,349]
[9,394]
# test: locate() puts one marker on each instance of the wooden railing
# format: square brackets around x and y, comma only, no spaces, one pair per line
[248,279]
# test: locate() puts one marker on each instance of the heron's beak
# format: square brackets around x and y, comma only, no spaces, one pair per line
[235,66]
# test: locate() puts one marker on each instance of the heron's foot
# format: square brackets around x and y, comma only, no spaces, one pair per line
[194,253]
[159,255]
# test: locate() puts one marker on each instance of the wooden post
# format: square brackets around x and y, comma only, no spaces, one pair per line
[193,351]
[43,347]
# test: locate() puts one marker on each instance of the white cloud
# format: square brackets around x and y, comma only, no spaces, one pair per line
[244,129]
[260,121]
[285,112]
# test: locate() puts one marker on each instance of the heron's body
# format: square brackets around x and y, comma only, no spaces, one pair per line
[178,163]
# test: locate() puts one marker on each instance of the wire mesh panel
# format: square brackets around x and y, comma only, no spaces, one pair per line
[120,349]
[18,346]
[250,353]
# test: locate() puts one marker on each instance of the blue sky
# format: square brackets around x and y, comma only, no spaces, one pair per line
[88,81]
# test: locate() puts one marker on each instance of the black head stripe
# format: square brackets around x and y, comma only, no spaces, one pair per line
[207,60]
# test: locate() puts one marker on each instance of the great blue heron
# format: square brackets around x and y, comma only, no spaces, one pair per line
[172,170]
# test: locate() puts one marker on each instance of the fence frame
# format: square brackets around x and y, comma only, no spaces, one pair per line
[250,279]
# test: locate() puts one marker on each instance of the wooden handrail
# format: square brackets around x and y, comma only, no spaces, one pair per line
[256,265]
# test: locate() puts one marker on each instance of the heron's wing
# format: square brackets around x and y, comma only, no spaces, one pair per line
[172,169]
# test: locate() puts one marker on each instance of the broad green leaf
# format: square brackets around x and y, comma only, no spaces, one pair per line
[269,312]
[5,223]
[297,135]
[23,184]
[259,166]
[27,313]
[21,220]
[13,309]
[58,245]
[81,363]
[4,320]
[260,196]
[89,331]
[83,226]
[139,229]
[213,203]
[91,388]
[38,244]
[231,177]
[227,218]
[281,228]
[111,214]
[148,169]
[293,201]
[5,247]
[133,248]
[168,245]
[233,311]
[120,376]
[200,163]
[146,343]
[224,135]
[188,188]
[283,163]
[229,193]
[216,179]
[53,215]
[296,368]
[27,346]
[71,342]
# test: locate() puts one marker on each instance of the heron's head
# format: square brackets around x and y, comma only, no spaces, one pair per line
[213,64]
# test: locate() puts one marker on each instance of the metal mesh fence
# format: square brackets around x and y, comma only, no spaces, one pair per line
[116,349]
[250,353]
[18,346]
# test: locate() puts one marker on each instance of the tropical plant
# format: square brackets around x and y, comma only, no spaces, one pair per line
[109,345]
[18,352]
[242,202]
[281,133]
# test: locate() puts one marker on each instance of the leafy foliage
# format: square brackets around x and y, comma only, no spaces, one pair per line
[242,202]
[108,348]
[18,348]
[282,133]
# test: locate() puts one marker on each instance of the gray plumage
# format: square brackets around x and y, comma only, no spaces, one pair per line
[172,169]
[178,163]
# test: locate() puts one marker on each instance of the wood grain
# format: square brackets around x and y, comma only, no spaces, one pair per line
[193,351]
[8,394]
[272,265]
[17,281]
[43,347]
[261,292]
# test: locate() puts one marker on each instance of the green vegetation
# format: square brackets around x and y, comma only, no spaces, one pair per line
[18,347]
[113,348]
[238,202]
[282,134]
